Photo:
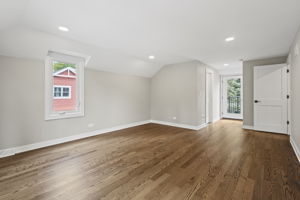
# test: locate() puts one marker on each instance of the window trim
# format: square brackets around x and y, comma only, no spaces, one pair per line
[67,57]
[61,92]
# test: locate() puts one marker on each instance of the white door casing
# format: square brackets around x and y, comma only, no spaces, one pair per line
[209,96]
[270,98]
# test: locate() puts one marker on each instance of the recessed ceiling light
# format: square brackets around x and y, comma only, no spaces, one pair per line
[63,28]
[151,57]
[229,39]
[226,64]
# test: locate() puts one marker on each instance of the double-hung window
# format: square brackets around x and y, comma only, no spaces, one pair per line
[62,92]
[64,84]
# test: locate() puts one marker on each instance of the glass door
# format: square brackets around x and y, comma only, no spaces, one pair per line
[232,97]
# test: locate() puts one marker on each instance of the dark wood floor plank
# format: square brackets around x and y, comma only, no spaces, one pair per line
[221,161]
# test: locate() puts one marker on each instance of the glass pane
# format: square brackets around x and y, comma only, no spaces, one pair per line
[57,91]
[234,96]
[65,90]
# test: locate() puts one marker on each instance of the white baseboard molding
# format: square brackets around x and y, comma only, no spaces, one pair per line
[248,127]
[295,148]
[179,125]
[20,149]
[216,119]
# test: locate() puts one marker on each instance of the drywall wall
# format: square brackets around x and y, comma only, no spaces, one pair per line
[173,94]
[294,62]
[248,85]
[178,94]
[110,100]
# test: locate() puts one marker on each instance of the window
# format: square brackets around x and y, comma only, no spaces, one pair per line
[64,83]
[61,92]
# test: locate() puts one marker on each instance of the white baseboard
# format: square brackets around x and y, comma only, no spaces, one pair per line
[248,127]
[24,148]
[295,148]
[179,125]
[216,119]
[19,149]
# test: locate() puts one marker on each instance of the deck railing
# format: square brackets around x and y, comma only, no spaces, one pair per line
[234,105]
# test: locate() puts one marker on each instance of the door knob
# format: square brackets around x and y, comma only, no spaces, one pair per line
[256,101]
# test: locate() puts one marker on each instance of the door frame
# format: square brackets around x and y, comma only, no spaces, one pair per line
[289,106]
[223,115]
[209,95]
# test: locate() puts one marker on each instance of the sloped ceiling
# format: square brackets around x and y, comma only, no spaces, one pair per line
[119,35]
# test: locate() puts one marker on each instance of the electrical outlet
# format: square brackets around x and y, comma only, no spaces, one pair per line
[174,118]
[90,125]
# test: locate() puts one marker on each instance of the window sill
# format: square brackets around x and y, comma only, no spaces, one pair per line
[64,116]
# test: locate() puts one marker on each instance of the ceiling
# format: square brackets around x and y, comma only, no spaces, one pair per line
[120,35]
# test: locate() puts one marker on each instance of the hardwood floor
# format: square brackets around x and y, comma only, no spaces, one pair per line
[152,161]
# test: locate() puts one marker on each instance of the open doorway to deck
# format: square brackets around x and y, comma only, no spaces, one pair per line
[232,97]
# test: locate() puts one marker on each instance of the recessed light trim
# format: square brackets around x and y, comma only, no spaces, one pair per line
[151,57]
[63,28]
[229,39]
[226,65]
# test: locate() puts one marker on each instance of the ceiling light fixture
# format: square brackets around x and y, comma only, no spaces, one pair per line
[63,28]
[229,39]
[226,64]
[151,57]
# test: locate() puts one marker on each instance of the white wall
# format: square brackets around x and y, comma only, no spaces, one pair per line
[178,90]
[294,62]
[110,100]
[173,94]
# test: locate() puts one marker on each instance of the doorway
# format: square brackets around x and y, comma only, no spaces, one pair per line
[232,97]
[209,96]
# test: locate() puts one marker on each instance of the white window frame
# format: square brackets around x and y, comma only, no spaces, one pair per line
[67,57]
[61,92]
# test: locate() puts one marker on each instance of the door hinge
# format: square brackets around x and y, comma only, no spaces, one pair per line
[287,71]
[287,96]
[288,122]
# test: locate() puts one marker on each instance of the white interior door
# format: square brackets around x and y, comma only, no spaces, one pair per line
[270,98]
[232,97]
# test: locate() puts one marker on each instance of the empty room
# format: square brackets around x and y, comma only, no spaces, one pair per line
[149,100]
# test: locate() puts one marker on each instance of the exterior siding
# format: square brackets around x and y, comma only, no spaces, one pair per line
[65,104]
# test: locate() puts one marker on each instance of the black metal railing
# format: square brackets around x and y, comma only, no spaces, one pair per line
[234,105]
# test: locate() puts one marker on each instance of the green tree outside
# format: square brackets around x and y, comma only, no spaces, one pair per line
[234,87]
[233,95]
[60,65]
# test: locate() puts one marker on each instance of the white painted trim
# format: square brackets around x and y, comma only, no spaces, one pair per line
[248,127]
[20,149]
[61,91]
[216,119]
[295,148]
[63,57]
[64,76]
[29,147]
[70,53]
[289,100]
[179,125]
[64,69]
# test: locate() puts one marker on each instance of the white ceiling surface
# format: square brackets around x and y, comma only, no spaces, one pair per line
[119,35]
